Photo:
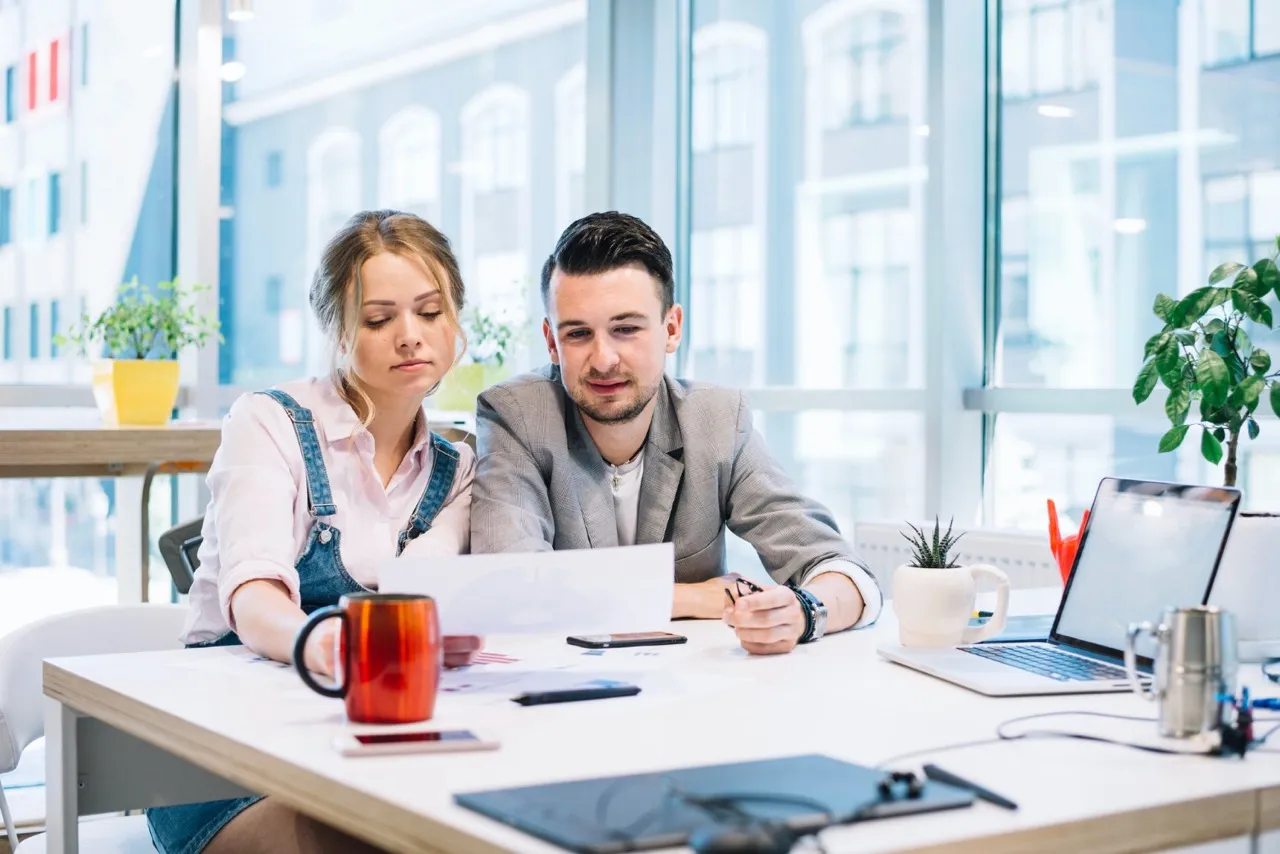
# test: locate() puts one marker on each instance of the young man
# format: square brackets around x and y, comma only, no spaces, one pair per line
[601,448]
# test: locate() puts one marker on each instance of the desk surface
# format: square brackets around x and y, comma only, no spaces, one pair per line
[707,702]
[104,450]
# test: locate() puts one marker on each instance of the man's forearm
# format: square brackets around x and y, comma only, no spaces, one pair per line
[841,596]
[701,601]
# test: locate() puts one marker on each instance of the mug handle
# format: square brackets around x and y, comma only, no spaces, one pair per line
[995,625]
[1131,657]
[299,652]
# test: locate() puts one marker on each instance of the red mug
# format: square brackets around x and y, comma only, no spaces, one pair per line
[389,656]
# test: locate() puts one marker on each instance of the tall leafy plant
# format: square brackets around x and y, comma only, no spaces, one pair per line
[1206,359]
[145,323]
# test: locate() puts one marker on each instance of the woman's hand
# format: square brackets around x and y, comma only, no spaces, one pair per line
[460,650]
[322,649]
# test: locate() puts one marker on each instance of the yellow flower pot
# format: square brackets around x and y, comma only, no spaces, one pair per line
[462,385]
[135,392]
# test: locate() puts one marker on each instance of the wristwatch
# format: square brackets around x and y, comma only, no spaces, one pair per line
[815,615]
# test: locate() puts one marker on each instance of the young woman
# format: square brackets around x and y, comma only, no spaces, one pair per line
[318,481]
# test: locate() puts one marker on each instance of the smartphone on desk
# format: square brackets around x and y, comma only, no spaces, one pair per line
[626,639]
[411,741]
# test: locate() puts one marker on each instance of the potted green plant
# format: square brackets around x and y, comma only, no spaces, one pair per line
[140,336]
[1206,359]
[933,596]
[491,338]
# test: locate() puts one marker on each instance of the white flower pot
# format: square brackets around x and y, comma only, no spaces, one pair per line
[933,606]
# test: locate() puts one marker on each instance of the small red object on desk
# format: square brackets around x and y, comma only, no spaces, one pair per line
[1064,548]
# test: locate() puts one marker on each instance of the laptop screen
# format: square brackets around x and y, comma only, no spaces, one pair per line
[1147,546]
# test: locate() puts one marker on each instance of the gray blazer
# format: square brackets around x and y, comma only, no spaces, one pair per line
[540,483]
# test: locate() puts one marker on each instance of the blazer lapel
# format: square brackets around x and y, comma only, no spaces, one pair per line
[663,470]
[591,481]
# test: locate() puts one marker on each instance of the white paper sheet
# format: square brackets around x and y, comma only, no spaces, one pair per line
[578,592]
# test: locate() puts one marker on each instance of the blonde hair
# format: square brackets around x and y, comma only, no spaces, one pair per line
[337,292]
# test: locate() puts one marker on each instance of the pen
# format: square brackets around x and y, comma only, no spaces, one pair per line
[981,614]
[933,772]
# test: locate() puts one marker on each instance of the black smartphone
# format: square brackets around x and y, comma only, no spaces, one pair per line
[573,695]
[626,639]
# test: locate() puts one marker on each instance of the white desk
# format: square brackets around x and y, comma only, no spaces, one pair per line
[136,729]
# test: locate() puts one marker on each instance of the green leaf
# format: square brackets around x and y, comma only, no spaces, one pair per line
[1251,306]
[1268,276]
[1191,307]
[1243,343]
[1171,440]
[1222,271]
[1177,405]
[1145,383]
[1211,448]
[1247,280]
[1260,361]
[1220,433]
[1253,429]
[1155,343]
[1275,398]
[1211,376]
[1214,326]
[1251,391]
[1164,306]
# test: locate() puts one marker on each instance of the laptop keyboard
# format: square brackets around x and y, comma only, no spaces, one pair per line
[1049,662]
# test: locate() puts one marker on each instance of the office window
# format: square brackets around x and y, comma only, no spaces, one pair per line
[8,333]
[10,94]
[458,142]
[55,203]
[33,331]
[409,163]
[865,67]
[1225,30]
[274,292]
[1266,27]
[571,146]
[54,328]
[6,216]
[275,169]
[1052,46]
[727,79]
[84,54]
[84,192]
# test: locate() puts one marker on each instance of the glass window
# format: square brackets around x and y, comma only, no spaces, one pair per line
[55,327]
[1051,46]
[84,54]
[55,203]
[1266,27]
[409,163]
[1092,204]
[6,216]
[454,115]
[8,333]
[33,331]
[1225,30]
[805,258]
[10,94]
[84,192]
[274,169]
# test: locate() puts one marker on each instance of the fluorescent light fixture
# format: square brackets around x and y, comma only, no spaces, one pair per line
[233,71]
[1055,111]
[922,130]
[1129,225]
[240,10]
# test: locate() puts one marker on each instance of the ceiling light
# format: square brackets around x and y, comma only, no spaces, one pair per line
[233,71]
[1055,111]
[1129,225]
[240,10]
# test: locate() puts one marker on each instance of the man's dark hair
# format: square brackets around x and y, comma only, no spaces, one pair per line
[601,242]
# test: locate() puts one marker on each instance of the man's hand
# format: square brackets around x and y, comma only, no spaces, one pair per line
[767,623]
[460,650]
[704,600]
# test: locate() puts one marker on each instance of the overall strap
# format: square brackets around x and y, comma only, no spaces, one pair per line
[443,468]
[319,497]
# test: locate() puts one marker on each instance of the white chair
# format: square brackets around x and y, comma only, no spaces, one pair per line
[90,631]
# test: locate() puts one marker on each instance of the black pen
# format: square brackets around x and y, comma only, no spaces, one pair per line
[933,772]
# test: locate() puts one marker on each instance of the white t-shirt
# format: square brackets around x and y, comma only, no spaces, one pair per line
[624,482]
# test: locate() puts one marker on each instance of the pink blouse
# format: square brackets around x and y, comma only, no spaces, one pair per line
[257,522]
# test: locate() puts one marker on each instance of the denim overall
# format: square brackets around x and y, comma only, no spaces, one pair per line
[187,828]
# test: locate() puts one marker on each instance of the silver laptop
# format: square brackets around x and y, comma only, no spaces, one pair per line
[1148,546]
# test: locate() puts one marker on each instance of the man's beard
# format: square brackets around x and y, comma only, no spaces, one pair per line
[603,416]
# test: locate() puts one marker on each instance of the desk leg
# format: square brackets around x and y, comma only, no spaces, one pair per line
[62,778]
[131,583]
